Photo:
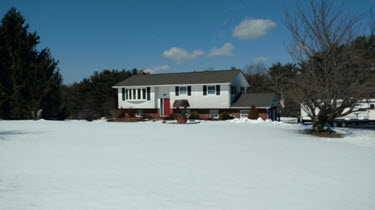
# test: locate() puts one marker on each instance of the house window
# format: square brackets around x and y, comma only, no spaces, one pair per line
[204,90]
[139,93]
[372,106]
[130,94]
[144,93]
[211,90]
[244,113]
[189,90]
[139,113]
[183,90]
[134,94]
[214,113]
[127,94]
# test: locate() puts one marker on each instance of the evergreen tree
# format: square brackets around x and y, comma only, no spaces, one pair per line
[29,79]
[94,97]
[253,113]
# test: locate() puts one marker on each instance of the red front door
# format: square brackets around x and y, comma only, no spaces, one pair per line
[167,107]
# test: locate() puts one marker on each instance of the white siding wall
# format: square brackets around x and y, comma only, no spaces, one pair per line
[162,92]
[199,101]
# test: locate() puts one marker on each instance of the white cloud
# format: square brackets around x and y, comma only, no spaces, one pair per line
[253,28]
[157,69]
[260,59]
[180,55]
[225,50]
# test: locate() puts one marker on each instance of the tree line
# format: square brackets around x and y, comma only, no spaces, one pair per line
[94,97]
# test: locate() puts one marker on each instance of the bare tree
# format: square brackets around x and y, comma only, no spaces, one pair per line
[333,75]
[257,76]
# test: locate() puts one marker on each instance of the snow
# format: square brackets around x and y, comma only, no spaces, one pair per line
[236,164]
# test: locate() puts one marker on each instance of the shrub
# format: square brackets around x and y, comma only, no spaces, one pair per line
[131,113]
[121,113]
[225,116]
[194,115]
[253,114]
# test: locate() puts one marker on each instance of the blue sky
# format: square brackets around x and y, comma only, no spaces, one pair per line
[160,36]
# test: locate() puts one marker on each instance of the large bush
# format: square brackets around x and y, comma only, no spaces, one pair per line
[225,116]
[194,115]
[253,114]
[131,113]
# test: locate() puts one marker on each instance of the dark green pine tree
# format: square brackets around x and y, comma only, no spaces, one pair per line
[29,79]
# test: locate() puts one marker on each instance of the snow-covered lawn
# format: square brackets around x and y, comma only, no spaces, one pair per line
[235,165]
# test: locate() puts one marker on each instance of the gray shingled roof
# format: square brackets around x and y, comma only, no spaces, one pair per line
[199,77]
[258,99]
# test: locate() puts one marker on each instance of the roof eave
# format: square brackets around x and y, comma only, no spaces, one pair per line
[121,86]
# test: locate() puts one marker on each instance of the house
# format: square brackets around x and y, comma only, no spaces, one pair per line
[207,92]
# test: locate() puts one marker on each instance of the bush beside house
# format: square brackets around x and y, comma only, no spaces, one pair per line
[225,116]
[121,113]
[253,114]
[194,115]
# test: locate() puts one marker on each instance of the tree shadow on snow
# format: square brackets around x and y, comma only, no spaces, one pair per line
[7,133]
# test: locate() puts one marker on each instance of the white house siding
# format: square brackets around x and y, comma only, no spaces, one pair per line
[196,100]
[137,104]
[199,101]
[161,92]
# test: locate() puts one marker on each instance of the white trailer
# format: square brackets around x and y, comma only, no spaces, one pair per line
[364,113]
